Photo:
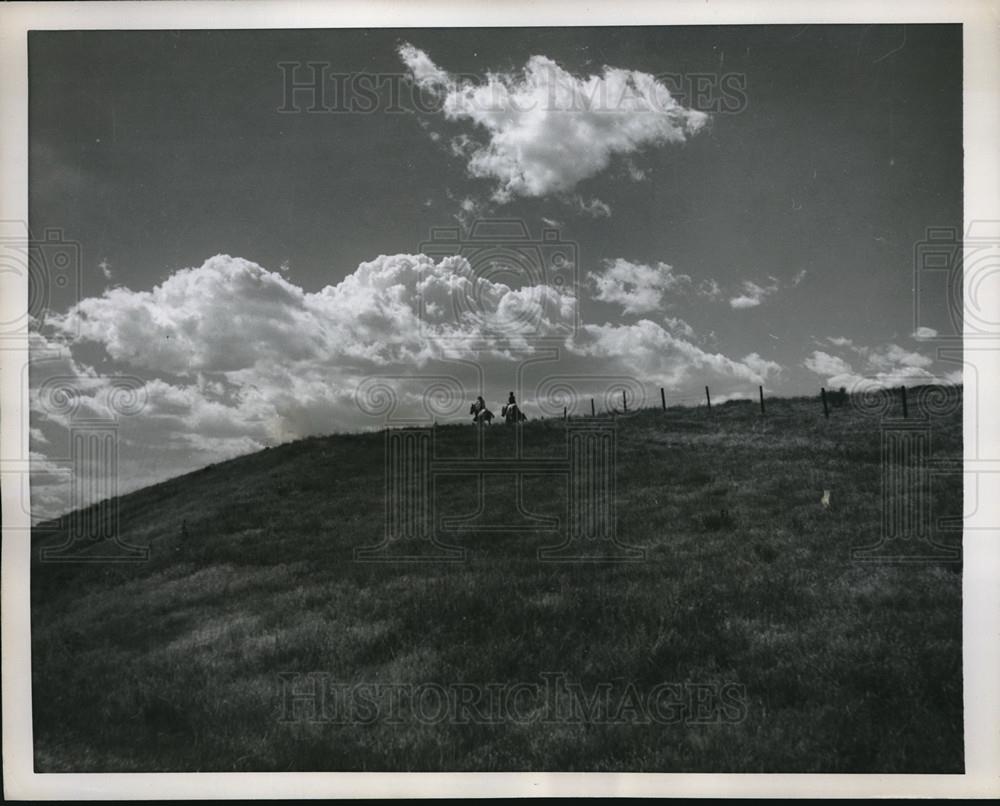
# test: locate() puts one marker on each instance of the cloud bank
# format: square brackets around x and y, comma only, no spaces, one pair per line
[228,357]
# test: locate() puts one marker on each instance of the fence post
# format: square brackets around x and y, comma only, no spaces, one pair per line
[564,413]
[708,399]
[592,412]
[761,390]
[826,408]
[624,402]
[663,398]
[906,411]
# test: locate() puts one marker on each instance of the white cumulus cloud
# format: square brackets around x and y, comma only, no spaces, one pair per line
[828,365]
[637,287]
[545,130]
[753,294]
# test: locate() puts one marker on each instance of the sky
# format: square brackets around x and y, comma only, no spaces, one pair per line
[685,206]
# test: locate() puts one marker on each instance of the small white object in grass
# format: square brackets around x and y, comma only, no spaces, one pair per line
[825,500]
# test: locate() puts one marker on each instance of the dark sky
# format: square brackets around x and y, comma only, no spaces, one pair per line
[157,150]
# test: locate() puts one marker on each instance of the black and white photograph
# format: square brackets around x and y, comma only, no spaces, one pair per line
[565,395]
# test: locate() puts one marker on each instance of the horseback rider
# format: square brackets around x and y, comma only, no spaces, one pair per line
[510,412]
[478,407]
[479,412]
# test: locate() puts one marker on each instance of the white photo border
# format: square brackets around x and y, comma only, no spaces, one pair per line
[981,591]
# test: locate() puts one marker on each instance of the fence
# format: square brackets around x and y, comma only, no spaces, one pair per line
[826,399]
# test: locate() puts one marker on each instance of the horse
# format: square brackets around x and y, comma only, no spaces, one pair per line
[512,414]
[480,416]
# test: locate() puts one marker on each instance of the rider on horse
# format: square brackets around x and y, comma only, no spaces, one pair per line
[479,411]
[510,412]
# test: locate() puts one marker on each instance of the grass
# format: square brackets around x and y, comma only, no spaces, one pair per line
[173,664]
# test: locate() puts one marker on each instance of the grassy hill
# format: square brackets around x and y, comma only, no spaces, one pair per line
[748,586]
